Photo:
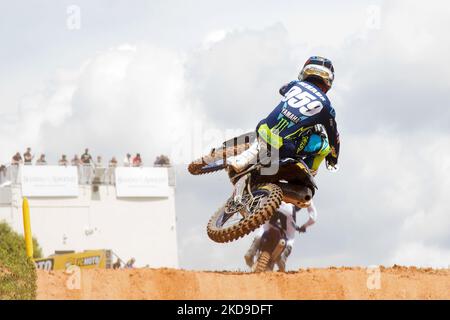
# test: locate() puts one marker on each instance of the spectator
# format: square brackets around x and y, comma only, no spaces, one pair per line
[28,157]
[76,161]
[16,159]
[99,163]
[63,161]
[86,172]
[162,161]
[112,170]
[2,174]
[86,158]
[130,264]
[113,162]
[127,161]
[137,161]
[41,161]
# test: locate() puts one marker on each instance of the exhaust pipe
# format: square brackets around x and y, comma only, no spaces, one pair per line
[299,196]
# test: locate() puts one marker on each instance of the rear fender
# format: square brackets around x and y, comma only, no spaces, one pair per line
[296,171]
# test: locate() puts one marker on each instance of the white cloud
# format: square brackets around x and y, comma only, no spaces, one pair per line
[119,99]
[213,37]
[388,204]
[390,191]
[235,81]
[50,105]
[420,255]
[394,77]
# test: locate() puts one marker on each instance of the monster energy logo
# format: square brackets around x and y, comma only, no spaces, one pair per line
[282,124]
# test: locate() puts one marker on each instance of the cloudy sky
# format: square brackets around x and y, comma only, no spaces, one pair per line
[177,77]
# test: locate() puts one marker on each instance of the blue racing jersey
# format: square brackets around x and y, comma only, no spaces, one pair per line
[303,106]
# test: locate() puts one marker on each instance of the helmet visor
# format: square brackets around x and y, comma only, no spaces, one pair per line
[321,62]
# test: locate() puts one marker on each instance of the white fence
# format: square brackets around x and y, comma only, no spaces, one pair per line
[87,174]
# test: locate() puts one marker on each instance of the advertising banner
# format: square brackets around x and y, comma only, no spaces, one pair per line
[85,260]
[142,182]
[49,181]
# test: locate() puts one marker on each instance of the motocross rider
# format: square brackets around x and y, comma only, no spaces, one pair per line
[316,150]
[300,122]
[287,216]
[302,126]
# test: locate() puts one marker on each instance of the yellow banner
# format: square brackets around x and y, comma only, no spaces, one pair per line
[87,260]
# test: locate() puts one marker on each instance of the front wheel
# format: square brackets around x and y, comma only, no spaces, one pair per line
[234,221]
[263,261]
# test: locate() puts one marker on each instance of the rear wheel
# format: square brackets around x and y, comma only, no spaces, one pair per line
[263,262]
[234,221]
[216,160]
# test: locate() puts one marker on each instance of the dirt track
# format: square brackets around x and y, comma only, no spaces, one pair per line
[332,283]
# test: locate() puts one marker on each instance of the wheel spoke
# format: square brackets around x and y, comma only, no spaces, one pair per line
[235,220]
[234,213]
[256,203]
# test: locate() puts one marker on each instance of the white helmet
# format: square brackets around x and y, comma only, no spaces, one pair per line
[319,68]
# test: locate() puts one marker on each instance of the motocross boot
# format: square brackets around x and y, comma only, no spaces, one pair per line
[251,253]
[240,162]
[283,259]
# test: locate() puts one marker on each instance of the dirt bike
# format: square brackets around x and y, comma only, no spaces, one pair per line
[272,244]
[256,197]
